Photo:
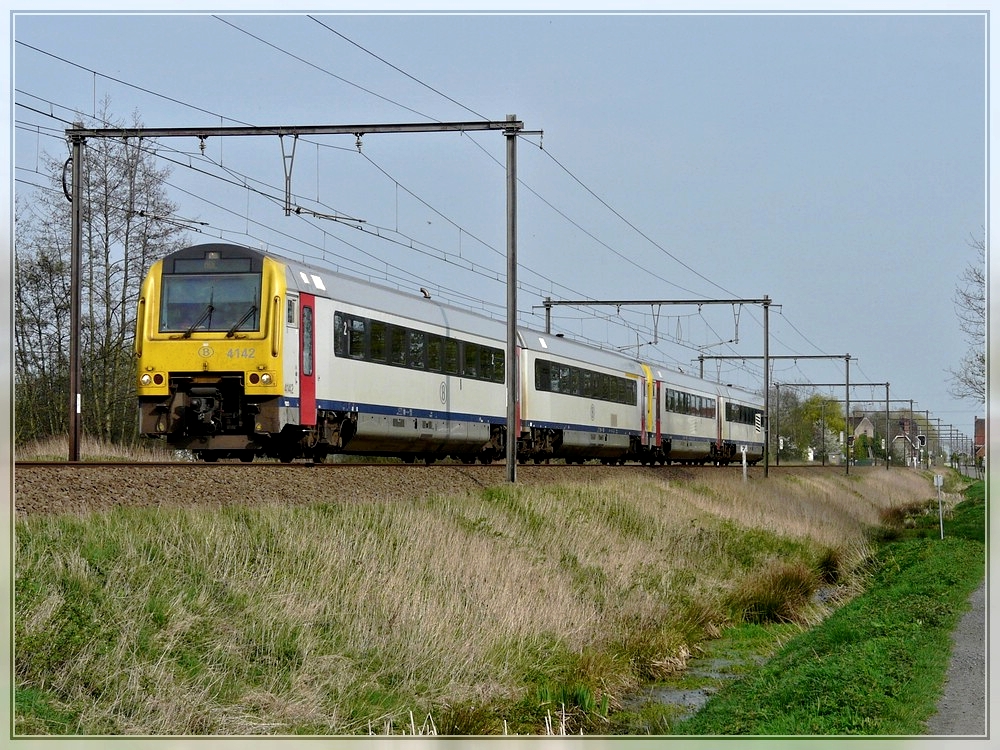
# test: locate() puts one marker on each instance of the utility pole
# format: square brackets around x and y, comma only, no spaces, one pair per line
[513,428]
[927,441]
[847,414]
[75,368]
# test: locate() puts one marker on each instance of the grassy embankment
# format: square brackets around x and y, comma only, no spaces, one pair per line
[513,610]
[876,666]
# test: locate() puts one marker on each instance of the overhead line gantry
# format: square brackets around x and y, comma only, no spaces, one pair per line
[765,301]
[77,136]
[847,378]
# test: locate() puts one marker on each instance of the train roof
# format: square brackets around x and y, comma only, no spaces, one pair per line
[414,306]
[559,346]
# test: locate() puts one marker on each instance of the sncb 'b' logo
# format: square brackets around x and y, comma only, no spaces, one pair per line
[206,352]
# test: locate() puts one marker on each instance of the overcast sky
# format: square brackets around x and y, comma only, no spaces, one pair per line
[835,163]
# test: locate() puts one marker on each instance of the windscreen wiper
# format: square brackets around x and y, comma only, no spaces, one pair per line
[206,314]
[232,331]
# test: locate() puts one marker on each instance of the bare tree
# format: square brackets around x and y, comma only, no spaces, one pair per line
[969,380]
[125,227]
[41,321]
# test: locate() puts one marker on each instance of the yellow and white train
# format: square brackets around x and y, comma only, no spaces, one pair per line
[243,354]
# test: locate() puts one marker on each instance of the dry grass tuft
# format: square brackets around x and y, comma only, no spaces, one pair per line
[56,448]
[779,592]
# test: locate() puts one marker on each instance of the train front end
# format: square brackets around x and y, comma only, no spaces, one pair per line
[208,348]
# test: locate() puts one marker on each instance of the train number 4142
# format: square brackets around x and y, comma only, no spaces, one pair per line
[244,353]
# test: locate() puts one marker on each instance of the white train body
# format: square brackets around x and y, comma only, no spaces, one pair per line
[322,363]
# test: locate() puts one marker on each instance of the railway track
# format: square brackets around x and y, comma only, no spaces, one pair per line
[68,487]
[343,465]
[50,487]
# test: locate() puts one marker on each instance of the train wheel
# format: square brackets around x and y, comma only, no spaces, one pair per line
[210,457]
[246,456]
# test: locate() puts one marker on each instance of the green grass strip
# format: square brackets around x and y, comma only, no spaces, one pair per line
[877,665]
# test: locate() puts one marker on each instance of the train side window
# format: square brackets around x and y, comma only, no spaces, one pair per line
[451,356]
[561,379]
[378,341]
[340,335]
[434,362]
[543,376]
[418,350]
[498,365]
[307,341]
[605,387]
[572,382]
[292,312]
[356,340]
[397,348]
[470,361]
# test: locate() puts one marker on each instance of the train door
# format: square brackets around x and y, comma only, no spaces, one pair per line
[658,439]
[307,359]
[290,353]
[647,405]
[720,421]
[642,404]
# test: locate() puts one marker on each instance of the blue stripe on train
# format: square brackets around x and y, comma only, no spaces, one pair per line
[396,411]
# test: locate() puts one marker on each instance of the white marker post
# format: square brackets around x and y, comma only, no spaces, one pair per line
[743,450]
[939,483]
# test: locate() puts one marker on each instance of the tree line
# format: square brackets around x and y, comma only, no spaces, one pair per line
[125,228]
[814,427]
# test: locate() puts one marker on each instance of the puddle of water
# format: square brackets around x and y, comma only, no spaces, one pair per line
[713,672]
[688,700]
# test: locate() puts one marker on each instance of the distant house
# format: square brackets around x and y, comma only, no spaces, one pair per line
[979,442]
[903,436]
[863,426]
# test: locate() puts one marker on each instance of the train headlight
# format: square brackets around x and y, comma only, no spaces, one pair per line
[266,379]
[146,379]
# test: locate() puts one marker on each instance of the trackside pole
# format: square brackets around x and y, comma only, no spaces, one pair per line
[512,385]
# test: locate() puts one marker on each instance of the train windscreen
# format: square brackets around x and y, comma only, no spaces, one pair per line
[223,302]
